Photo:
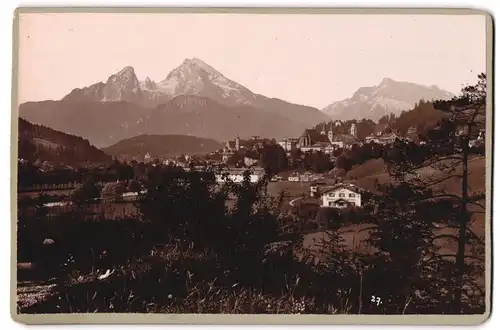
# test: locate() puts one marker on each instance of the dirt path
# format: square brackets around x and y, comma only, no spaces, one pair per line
[294,200]
[32,288]
[30,293]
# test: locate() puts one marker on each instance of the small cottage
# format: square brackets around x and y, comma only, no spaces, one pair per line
[238,174]
[289,144]
[249,161]
[341,196]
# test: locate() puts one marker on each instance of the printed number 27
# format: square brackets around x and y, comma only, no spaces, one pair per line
[377,300]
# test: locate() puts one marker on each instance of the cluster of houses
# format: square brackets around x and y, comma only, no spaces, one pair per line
[311,140]
[237,144]
[337,195]
[327,141]
[237,175]
[46,166]
[304,177]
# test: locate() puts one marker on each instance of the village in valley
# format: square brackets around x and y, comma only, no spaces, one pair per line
[240,157]
[328,189]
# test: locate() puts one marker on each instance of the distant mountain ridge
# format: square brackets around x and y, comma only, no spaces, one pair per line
[389,96]
[105,123]
[160,146]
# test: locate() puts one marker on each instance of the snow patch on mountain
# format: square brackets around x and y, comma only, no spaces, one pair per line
[392,104]
[195,77]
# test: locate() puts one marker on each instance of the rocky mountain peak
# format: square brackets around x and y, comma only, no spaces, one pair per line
[194,69]
[128,70]
[389,96]
[387,81]
[125,77]
[191,78]
[202,65]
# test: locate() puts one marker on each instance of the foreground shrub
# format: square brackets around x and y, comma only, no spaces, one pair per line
[175,280]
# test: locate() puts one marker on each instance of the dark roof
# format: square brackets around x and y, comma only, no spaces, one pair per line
[346,138]
[316,136]
[321,144]
[379,128]
[341,185]
[241,171]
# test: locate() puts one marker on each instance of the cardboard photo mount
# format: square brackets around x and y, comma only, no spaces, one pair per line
[125,318]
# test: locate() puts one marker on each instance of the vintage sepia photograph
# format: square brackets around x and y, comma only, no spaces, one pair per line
[252,163]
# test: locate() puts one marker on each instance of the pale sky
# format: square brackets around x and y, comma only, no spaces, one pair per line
[306,59]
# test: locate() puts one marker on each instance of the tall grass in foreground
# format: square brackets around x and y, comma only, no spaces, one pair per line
[174,279]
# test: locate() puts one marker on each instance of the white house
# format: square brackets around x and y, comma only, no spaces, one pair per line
[330,149]
[237,175]
[341,195]
[388,138]
[249,161]
[370,138]
[289,144]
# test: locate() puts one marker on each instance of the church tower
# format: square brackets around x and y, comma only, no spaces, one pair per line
[330,132]
[237,143]
[354,130]
[323,129]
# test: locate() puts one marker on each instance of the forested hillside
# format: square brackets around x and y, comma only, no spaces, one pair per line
[37,142]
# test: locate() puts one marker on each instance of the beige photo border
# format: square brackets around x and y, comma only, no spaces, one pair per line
[131,318]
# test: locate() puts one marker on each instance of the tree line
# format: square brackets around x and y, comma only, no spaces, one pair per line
[41,142]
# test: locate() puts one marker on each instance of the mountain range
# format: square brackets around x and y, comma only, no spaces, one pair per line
[194,99]
[389,96]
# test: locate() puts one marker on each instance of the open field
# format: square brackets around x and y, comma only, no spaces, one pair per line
[110,211]
[476,183]
[354,236]
[291,190]
[374,170]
